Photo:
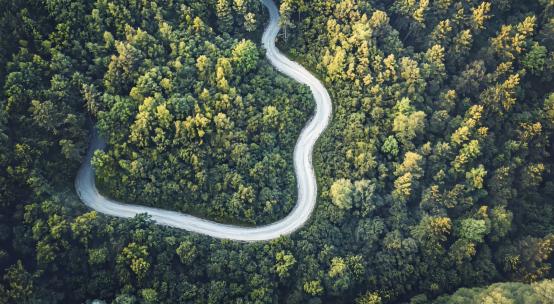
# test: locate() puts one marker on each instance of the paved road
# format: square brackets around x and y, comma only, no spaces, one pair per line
[307,186]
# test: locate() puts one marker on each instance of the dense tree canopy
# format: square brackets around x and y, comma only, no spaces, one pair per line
[442,106]
[539,292]
[195,120]
[435,173]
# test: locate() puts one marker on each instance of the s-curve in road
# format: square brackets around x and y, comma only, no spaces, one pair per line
[307,186]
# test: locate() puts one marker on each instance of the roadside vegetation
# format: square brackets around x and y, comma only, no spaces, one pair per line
[435,173]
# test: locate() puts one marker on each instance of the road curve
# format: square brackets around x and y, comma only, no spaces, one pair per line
[306,182]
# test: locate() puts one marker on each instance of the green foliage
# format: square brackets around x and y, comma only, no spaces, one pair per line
[313,288]
[341,193]
[135,256]
[390,146]
[20,288]
[186,252]
[245,55]
[369,298]
[149,295]
[473,230]
[444,96]
[549,108]
[535,60]
[284,262]
[540,292]
[434,174]
[195,121]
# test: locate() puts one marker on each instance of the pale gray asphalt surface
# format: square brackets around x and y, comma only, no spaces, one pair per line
[307,186]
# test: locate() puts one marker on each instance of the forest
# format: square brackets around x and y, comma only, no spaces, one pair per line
[435,176]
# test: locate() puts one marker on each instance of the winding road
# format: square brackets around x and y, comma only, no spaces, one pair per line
[307,185]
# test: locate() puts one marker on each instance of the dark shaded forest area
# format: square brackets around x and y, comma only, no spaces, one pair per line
[435,173]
